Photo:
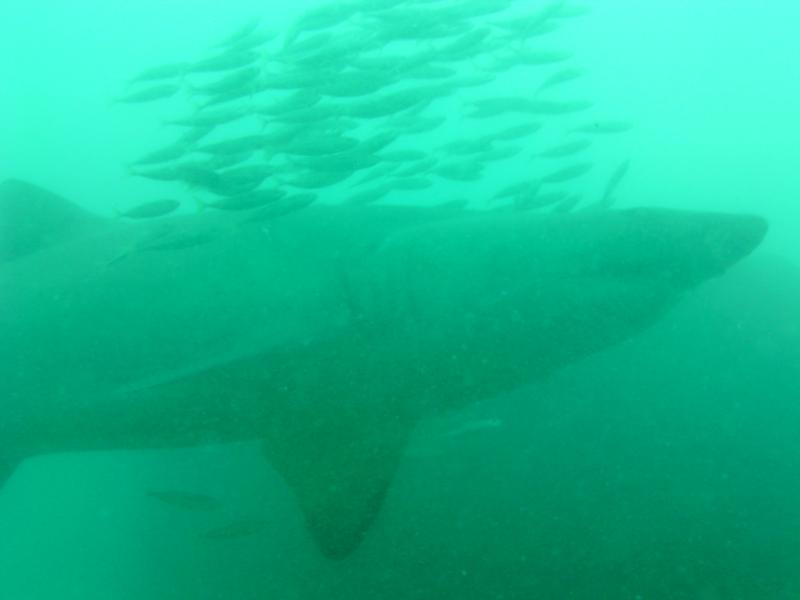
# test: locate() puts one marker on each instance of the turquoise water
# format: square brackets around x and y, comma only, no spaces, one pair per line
[658,469]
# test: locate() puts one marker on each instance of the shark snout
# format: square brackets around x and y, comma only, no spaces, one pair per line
[681,248]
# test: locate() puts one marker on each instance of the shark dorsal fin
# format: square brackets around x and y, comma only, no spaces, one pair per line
[340,470]
[32,218]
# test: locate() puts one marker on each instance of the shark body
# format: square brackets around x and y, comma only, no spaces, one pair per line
[327,333]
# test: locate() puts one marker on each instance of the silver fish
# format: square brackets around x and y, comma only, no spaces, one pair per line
[566,149]
[249,200]
[567,173]
[157,92]
[161,72]
[604,127]
[150,210]
[282,207]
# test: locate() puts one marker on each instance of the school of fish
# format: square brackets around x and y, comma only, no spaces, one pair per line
[361,101]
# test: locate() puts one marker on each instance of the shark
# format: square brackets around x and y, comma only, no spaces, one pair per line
[325,334]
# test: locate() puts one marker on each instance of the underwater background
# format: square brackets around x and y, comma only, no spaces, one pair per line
[666,467]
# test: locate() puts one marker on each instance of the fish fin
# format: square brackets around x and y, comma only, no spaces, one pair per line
[7,467]
[32,218]
[339,468]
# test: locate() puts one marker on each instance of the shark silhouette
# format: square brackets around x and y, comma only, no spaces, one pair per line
[327,333]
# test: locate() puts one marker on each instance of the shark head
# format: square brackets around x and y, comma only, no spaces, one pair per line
[514,297]
[327,334]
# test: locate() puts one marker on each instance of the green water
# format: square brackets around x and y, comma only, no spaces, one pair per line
[666,467]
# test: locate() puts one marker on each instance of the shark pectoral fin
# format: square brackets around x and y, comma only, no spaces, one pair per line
[339,469]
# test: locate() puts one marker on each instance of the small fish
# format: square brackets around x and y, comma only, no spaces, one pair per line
[605,127]
[161,72]
[230,82]
[468,170]
[501,153]
[538,201]
[512,133]
[410,183]
[516,189]
[188,501]
[235,145]
[249,200]
[567,173]
[157,92]
[224,62]
[418,167]
[243,32]
[150,210]
[403,155]
[560,77]
[168,153]
[567,204]
[566,149]
[369,196]
[282,207]
[236,529]
[607,199]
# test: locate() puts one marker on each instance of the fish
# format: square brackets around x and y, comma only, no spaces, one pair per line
[236,529]
[321,17]
[565,149]
[403,155]
[368,308]
[368,196]
[156,92]
[166,154]
[467,170]
[314,180]
[604,127]
[350,162]
[607,199]
[188,501]
[304,98]
[492,107]
[560,77]
[418,167]
[526,58]
[518,188]
[224,62]
[243,32]
[210,118]
[169,71]
[282,207]
[567,203]
[150,210]
[409,183]
[466,146]
[500,153]
[567,173]
[247,201]
[231,82]
[235,145]
[512,133]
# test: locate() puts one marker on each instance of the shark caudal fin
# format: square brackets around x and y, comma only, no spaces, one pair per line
[32,218]
[339,467]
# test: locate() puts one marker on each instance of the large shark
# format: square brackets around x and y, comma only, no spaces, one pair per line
[327,333]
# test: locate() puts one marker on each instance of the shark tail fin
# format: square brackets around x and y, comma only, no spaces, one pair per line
[32,218]
[340,470]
